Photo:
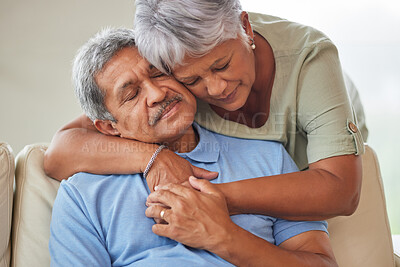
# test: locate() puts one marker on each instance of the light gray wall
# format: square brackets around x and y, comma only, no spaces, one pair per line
[38,40]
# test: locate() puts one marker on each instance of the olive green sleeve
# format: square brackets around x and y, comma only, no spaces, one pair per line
[325,114]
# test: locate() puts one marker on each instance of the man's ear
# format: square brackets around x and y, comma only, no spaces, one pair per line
[106,127]
[244,17]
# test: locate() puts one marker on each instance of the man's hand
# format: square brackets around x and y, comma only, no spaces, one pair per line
[171,168]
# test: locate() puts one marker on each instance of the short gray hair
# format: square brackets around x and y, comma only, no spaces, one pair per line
[89,61]
[167,30]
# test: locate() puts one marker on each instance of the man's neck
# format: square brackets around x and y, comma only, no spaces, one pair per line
[185,143]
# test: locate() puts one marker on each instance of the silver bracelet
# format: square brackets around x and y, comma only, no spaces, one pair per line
[151,161]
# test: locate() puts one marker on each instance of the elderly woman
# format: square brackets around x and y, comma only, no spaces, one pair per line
[256,77]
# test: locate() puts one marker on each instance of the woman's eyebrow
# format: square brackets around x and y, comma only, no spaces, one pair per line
[217,62]
[195,76]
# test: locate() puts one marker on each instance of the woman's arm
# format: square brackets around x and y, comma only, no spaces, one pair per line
[79,147]
[331,185]
[329,188]
[201,220]
[307,249]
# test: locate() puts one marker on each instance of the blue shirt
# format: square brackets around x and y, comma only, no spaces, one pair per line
[99,220]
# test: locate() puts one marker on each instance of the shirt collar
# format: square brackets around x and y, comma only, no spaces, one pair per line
[207,150]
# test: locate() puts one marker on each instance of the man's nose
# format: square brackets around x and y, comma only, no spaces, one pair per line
[215,85]
[155,94]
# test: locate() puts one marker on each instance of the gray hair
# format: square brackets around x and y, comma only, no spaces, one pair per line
[167,30]
[89,61]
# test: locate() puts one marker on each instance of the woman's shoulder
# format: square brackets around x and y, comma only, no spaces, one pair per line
[285,35]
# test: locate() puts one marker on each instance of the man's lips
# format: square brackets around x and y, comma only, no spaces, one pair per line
[164,109]
[168,108]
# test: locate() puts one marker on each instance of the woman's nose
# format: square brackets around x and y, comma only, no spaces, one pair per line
[215,85]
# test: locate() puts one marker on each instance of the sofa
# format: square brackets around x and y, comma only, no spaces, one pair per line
[362,239]
[6,199]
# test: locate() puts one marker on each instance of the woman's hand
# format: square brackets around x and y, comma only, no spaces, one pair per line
[199,219]
[171,168]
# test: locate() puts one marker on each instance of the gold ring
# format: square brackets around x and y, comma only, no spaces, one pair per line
[162,214]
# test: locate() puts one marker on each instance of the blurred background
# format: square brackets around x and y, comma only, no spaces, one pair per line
[39,39]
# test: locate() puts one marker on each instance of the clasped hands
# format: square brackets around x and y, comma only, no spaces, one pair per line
[194,212]
[196,216]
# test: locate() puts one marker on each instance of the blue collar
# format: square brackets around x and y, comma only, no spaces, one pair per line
[207,150]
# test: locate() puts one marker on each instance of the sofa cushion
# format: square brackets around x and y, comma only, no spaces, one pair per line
[6,198]
[34,196]
[364,238]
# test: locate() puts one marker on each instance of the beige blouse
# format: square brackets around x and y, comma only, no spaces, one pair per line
[310,108]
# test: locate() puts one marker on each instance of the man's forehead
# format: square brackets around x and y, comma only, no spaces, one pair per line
[142,62]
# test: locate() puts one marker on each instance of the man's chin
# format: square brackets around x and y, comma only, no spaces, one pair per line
[176,127]
[172,130]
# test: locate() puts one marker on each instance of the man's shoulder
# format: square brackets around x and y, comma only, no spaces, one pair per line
[100,192]
[87,183]
[83,178]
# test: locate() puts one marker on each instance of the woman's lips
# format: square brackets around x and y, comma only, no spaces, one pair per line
[230,97]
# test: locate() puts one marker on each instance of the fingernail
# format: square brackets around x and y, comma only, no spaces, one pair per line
[156,188]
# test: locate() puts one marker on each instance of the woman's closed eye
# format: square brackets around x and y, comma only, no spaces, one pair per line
[192,83]
[158,75]
[224,67]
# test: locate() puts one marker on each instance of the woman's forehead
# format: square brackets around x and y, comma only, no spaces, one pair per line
[218,55]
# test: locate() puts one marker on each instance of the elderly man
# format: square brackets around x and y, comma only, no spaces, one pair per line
[99,220]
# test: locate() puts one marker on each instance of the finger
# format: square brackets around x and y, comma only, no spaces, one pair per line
[155,211]
[148,204]
[186,184]
[162,230]
[164,197]
[202,173]
[203,186]
[164,186]
[179,189]
[159,221]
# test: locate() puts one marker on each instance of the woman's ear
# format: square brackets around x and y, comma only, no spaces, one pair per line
[106,127]
[244,17]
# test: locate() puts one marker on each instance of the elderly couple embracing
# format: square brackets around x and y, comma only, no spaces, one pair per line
[236,140]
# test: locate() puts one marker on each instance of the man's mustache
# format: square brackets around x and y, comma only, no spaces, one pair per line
[163,106]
